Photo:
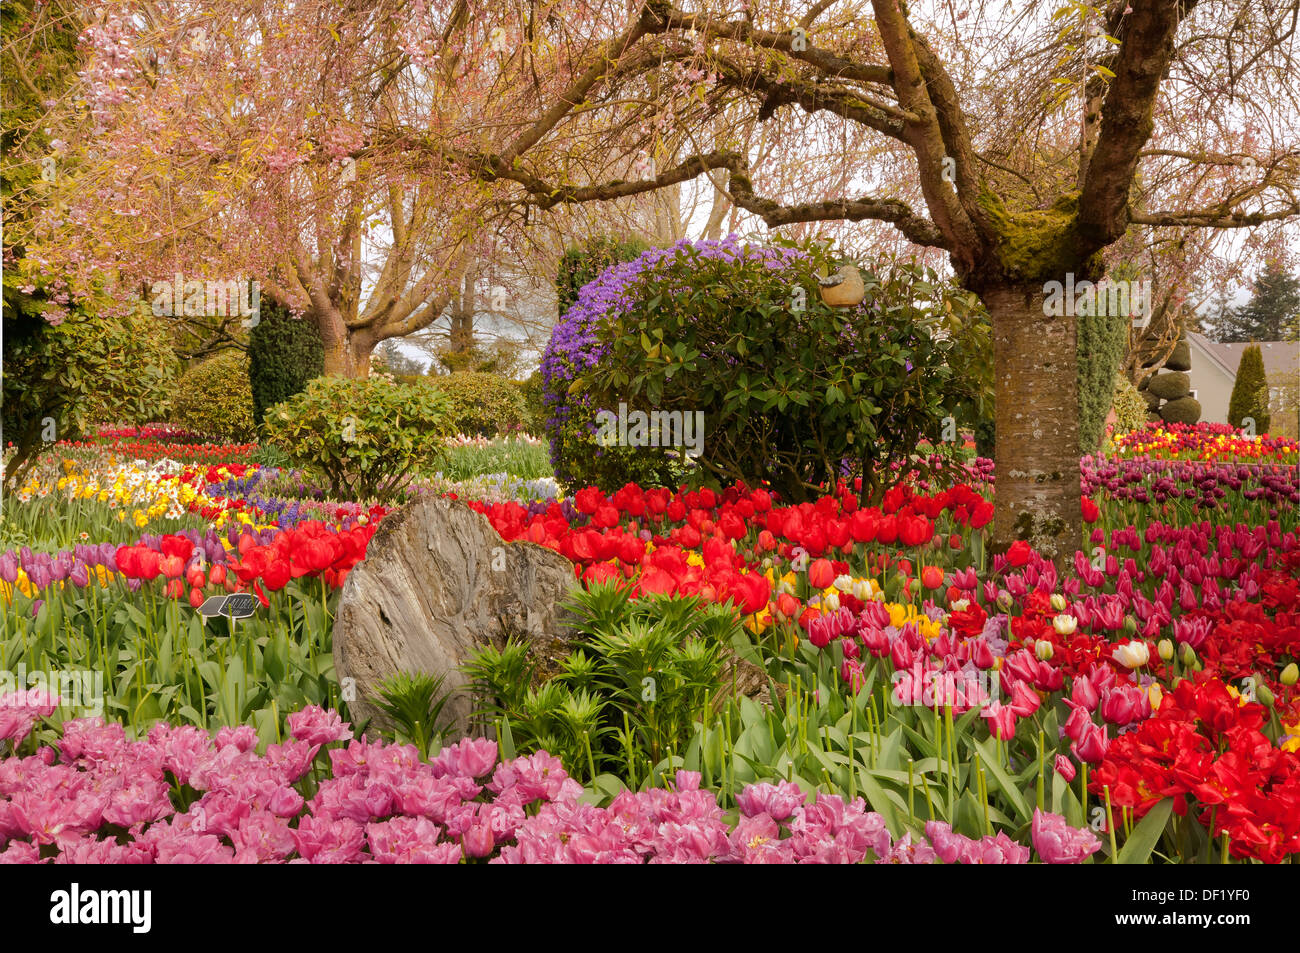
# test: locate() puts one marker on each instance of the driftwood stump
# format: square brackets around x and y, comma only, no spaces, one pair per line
[438,583]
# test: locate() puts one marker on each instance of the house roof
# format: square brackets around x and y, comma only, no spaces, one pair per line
[1280,357]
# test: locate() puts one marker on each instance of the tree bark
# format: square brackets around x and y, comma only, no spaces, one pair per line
[1036,494]
[347,352]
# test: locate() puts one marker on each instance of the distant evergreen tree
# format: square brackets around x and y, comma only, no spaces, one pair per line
[395,361]
[1272,314]
[1249,400]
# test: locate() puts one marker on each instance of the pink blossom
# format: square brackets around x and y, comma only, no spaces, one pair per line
[472,757]
[406,840]
[905,852]
[329,842]
[1059,843]
[316,726]
[778,800]
[244,738]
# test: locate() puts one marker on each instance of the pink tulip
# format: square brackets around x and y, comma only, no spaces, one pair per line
[1024,700]
[1059,843]
[1064,767]
[1002,720]
[1091,747]
[1084,693]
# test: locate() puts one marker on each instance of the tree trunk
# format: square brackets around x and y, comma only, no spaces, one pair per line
[460,334]
[347,353]
[1036,494]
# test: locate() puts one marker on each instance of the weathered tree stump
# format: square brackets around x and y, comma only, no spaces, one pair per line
[437,584]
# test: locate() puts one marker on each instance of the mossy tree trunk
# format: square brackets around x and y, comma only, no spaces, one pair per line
[1037,453]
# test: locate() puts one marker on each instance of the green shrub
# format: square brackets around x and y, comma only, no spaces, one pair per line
[1100,347]
[1130,407]
[366,436]
[1249,400]
[284,354]
[1181,410]
[1180,358]
[582,263]
[214,398]
[533,392]
[791,390]
[1170,385]
[90,368]
[500,358]
[642,671]
[481,405]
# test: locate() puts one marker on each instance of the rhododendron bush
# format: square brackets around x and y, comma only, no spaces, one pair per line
[789,396]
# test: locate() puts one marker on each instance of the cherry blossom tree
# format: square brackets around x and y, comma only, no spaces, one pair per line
[1027,141]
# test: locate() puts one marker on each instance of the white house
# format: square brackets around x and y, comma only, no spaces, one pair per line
[1214,370]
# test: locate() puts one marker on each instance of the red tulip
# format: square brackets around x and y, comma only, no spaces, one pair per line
[1018,553]
[173,567]
[605,517]
[837,533]
[1092,746]
[1065,768]
[177,546]
[915,530]
[732,526]
[600,573]
[821,574]
[196,598]
[981,654]
[864,524]
[932,577]
[787,606]
[1024,700]
[276,575]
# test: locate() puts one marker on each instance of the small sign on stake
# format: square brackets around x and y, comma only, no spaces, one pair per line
[236,605]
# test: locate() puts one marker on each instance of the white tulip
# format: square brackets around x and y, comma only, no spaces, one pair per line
[1133,654]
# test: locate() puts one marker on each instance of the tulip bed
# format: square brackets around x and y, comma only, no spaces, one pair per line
[927,700]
